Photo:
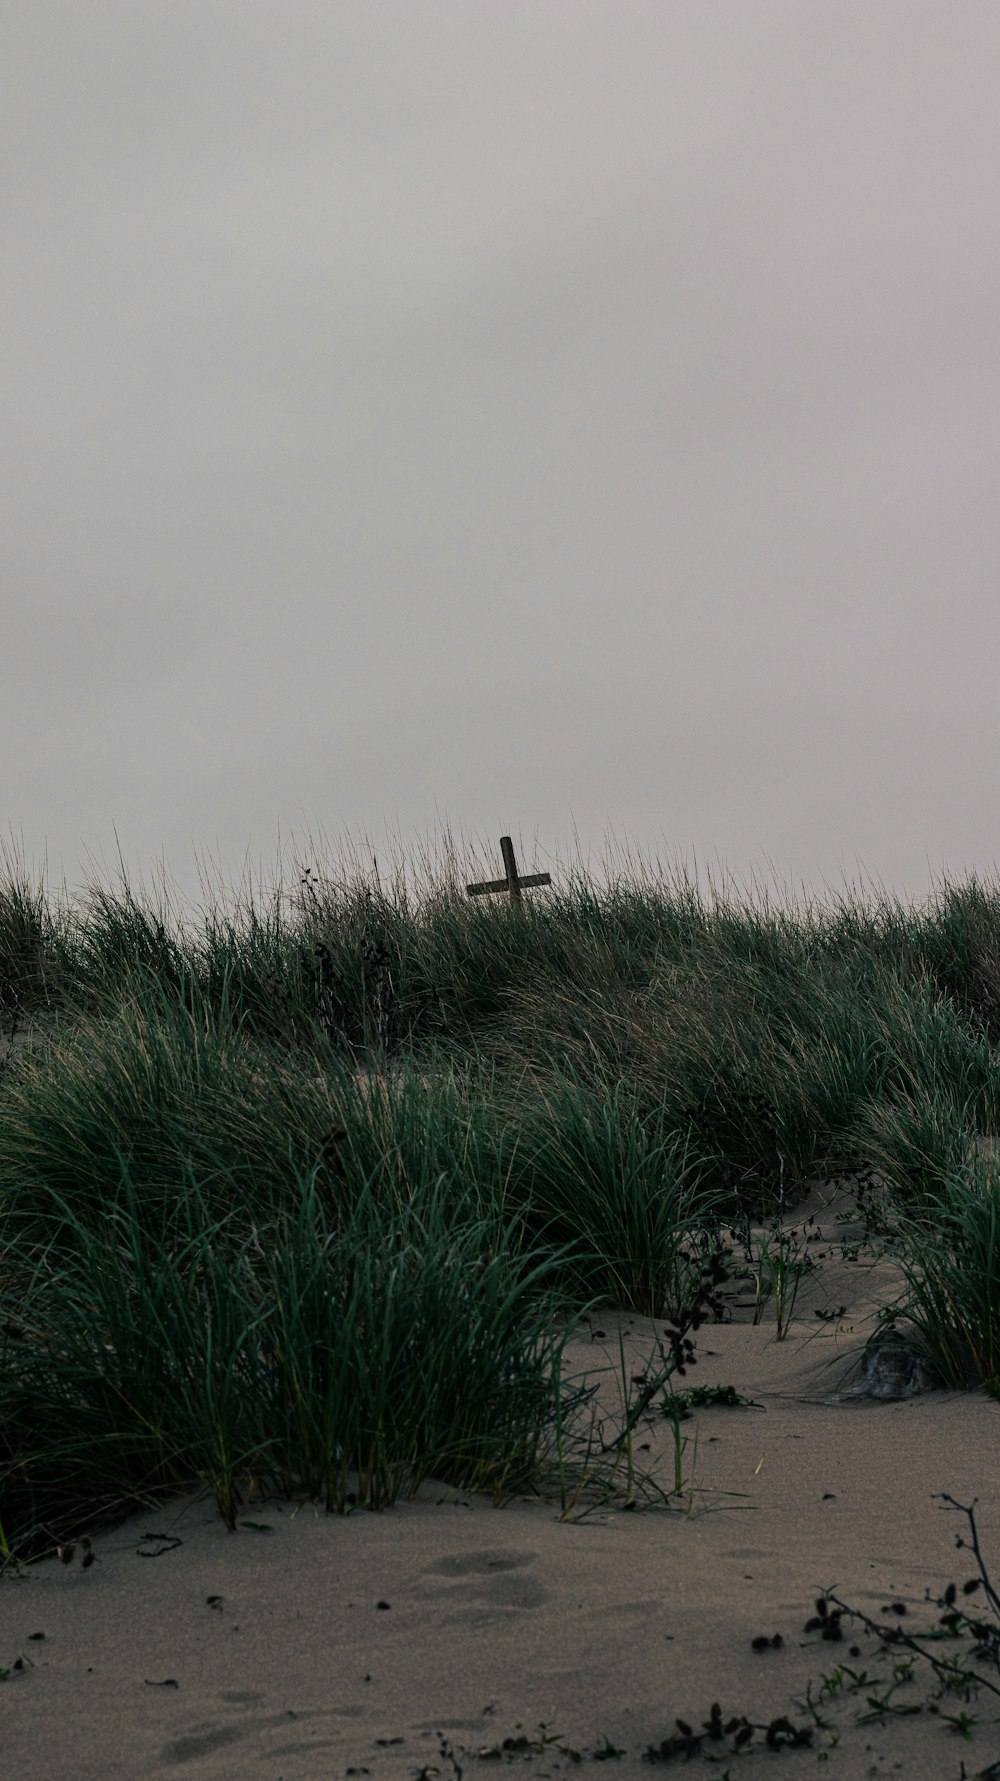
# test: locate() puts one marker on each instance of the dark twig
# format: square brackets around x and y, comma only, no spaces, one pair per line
[953,1621]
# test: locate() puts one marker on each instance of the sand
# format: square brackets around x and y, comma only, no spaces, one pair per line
[446,1637]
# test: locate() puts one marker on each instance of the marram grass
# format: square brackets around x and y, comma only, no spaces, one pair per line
[308,1190]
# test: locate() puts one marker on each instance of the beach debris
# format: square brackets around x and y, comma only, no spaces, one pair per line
[161,1543]
[18,1667]
[67,1553]
[826,1620]
[778,1734]
[892,1368]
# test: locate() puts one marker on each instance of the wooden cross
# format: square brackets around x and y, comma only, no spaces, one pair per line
[512,882]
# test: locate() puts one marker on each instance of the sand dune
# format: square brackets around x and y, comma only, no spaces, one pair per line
[445,1637]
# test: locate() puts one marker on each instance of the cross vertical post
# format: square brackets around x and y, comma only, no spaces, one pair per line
[510,867]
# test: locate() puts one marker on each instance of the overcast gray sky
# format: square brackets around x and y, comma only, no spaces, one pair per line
[514,414]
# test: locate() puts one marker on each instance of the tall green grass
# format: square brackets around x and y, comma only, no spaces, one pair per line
[350,1361]
[619,1192]
[304,1187]
[950,1254]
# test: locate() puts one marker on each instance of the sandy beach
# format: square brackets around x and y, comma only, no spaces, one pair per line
[447,1637]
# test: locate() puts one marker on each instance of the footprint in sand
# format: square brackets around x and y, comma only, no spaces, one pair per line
[486,1578]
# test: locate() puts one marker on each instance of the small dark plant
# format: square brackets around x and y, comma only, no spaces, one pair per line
[686,1741]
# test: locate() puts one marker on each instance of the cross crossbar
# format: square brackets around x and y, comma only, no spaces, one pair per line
[512,883]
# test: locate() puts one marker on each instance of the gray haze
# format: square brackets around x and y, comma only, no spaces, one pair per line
[513,414]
